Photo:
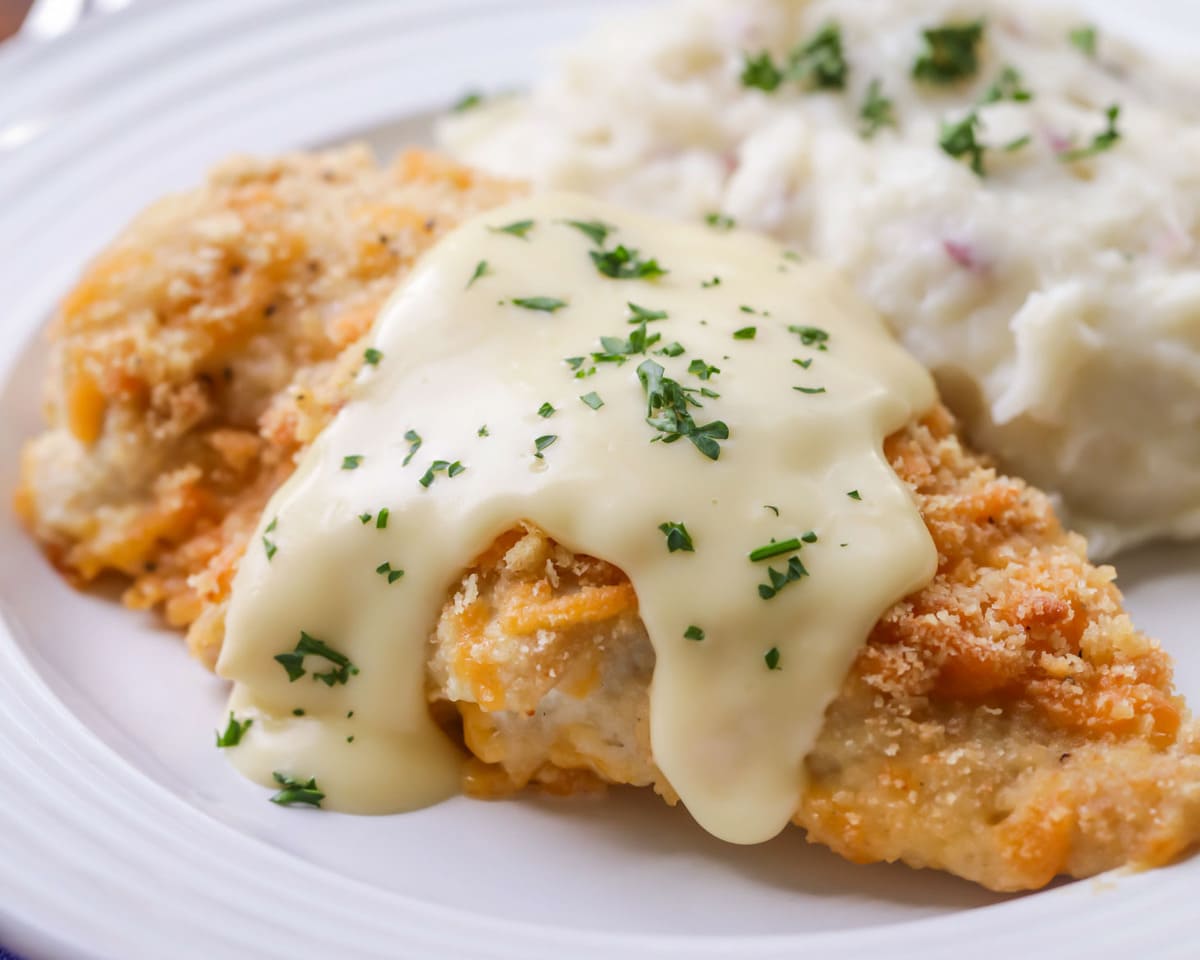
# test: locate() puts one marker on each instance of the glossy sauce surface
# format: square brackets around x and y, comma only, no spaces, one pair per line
[737,392]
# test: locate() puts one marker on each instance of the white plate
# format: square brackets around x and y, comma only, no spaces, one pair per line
[123,833]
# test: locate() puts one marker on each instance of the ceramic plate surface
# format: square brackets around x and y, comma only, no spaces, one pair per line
[124,834]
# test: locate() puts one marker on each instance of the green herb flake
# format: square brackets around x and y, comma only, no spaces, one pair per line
[803,364]
[592,400]
[746,333]
[350,739]
[719,221]
[951,53]
[693,633]
[372,356]
[809,537]
[1008,86]
[959,140]
[820,64]
[481,270]
[678,538]
[545,304]
[233,731]
[414,444]
[770,550]
[643,315]
[381,521]
[1083,38]
[352,462]
[594,230]
[702,370]
[760,73]
[450,468]
[364,518]
[393,574]
[770,506]
[809,389]
[667,404]
[298,712]
[518,228]
[771,658]
[622,263]
[295,791]
[1014,145]
[468,101]
[709,284]
[778,579]
[541,443]
[811,336]
[546,410]
[293,661]
[673,349]
[269,545]
[1105,140]
[482,431]
[876,112]
[854,495]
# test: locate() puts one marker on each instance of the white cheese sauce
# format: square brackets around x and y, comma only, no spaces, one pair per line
[780,356]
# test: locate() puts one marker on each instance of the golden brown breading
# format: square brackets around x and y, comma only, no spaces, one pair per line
[206,347]
[1006,723]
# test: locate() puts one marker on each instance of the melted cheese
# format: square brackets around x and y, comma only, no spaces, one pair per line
[732,715]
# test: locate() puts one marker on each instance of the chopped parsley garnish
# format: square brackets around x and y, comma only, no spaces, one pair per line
[295,791]
[673,349]
[382,520]
[617,350]
[779,579]
[350,739]
[364,518]
[811,336]
[621,263]
[352,462]
[1013,145]
[481,269]
[545,304]
[448,467]
[667,405]
[693,633]
[804,364]
[518,228]
[414,444]
[482,431]
[959,140]
[951,53]
[546,410]
[1084,39]
[770,506]
[1008,86]
[854,495]
[820,64]
[702,370]
[298,712]
[771,658]
[468,101]
[268,544]
[541,443]
[372,356]
[1105,140]
[714,282]
[745,333]
[773,549]
[293,661]
[876,111]
[233,731]
[592,400]
[810,389]
[594,230]
[677,536]
[720,221]
[386,569]
[642,315]
[760,73]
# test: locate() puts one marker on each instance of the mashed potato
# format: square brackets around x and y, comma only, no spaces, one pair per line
[1056,295]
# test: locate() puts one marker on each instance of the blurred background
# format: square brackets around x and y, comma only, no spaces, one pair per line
[12,13]
[49,18]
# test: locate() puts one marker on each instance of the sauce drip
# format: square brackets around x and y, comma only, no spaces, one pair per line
[770,389]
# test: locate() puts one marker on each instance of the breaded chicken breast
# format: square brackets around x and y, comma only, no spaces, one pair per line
[1006,722]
